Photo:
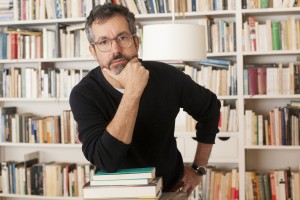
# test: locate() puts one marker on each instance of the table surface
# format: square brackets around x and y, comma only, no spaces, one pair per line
[174,196]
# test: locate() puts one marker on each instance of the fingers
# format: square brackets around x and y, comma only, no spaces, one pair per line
[177,186]
[190,181]
[188,189]
[134,59]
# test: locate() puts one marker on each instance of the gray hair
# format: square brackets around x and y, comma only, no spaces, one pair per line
[106,11]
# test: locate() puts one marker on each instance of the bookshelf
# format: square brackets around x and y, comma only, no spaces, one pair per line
[264,159]
[231,153]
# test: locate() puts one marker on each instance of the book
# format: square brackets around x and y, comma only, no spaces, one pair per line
[264,4]
[137,181]
[132,173]
[276,36]
[252,80]
[267,187]
[215,61]
[150,190]
[261,80]
[7,114]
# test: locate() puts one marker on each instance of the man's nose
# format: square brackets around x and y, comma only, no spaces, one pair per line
[115,48]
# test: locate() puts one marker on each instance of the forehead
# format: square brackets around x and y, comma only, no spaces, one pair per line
[110,27]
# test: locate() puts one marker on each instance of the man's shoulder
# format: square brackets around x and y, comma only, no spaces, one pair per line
[155,63]
[159,66]
[86,81]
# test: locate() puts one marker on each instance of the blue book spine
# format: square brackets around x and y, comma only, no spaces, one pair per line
[58,11]
[127,171]
[215,4]
[151,6]
[245,78]
[216,61]
[4,46]
[194,8]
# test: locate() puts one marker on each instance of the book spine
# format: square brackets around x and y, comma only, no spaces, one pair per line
[266,180]
[264,4]
[244,4]
[245,78]
[253,82]
[261,78]
[151,6]
[216,61]
[276,36]
[209,36]
[194,7]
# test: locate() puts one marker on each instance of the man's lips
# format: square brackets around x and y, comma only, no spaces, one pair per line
[118,60]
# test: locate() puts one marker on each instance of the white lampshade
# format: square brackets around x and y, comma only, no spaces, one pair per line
[182,42]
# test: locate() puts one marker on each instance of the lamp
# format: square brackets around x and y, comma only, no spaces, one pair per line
[182,42]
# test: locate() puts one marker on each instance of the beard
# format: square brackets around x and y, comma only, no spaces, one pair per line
[118,68]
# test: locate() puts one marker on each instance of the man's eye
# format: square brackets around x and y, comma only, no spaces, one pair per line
[123,38]
[104,42]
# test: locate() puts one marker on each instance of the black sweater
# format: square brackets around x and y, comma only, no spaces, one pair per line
[94,103]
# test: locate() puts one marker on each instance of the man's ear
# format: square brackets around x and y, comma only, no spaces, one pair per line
[136,42]
[93,51]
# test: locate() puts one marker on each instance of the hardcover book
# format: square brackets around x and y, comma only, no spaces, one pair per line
[138,181]
[132,173]
[150,190]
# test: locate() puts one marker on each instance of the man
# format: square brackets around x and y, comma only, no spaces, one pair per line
[126,108]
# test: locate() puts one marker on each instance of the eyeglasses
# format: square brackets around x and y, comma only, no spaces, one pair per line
[123,41]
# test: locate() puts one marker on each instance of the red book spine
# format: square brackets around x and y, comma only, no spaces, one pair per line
[252,80]
[261,79]
[14,46]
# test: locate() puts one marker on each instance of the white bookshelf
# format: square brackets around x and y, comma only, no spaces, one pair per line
[260,158]
[232,152]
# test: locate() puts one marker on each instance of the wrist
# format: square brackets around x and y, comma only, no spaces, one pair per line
[200,170]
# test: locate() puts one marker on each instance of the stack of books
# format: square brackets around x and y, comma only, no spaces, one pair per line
[131,183]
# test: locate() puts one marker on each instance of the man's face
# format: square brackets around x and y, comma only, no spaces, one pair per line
[117,57]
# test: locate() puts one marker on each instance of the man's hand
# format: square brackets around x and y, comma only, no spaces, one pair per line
[190,180]
[133,78]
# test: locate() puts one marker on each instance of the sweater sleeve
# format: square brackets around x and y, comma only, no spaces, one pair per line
[202,105]
[98,146]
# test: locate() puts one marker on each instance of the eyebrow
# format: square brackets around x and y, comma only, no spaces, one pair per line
[104,37]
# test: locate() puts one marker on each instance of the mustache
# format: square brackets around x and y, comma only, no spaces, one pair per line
[118,56]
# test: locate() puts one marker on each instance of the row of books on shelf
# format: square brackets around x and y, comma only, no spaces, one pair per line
[275,184]
[181,6]
[220,35]
[6,10]
[228,121]
[45,81]
[271,79]
[30,128]
[220,79]
[15,10]
[252,4]
[59,41]
[220,184]
[32,177]
[279,127]
[272,35]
